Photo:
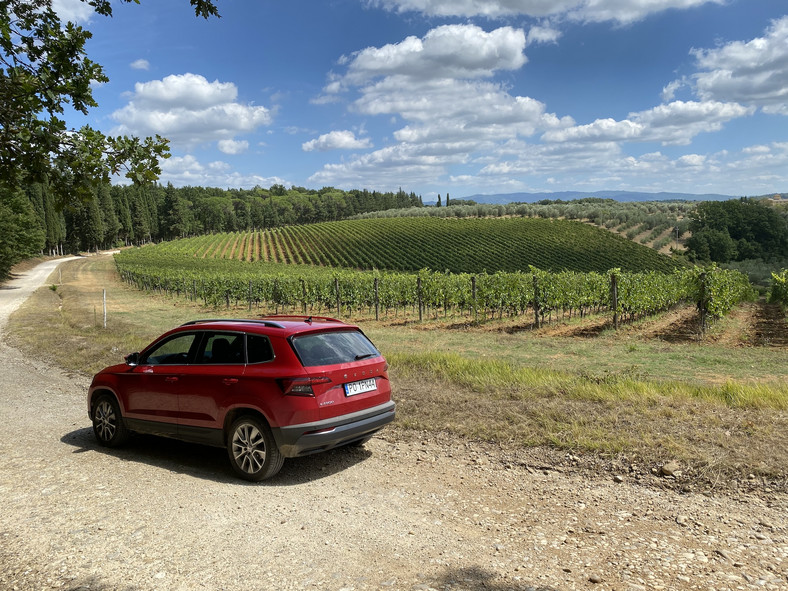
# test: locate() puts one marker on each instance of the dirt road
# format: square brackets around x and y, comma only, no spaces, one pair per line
[406,512]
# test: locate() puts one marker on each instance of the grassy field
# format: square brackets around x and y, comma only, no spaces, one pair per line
[719,407]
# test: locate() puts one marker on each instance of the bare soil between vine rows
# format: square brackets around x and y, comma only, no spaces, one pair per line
[758,324]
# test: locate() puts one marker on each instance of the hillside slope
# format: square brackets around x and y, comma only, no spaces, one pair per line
[457,245]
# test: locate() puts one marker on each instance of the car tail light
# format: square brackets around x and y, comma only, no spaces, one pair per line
[301,386]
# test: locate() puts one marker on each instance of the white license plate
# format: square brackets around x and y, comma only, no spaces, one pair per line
[360,387]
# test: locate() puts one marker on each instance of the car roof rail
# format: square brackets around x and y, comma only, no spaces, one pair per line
[304,318]
[270,323]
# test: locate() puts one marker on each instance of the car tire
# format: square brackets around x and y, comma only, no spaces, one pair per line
[108,425]
[253,453]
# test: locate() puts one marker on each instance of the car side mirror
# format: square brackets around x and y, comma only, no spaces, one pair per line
[132,359]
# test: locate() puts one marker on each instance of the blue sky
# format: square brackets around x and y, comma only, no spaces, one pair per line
[453,96]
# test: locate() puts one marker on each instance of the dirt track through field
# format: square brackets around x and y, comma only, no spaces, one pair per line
[406,512]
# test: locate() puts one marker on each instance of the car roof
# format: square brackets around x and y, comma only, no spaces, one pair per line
[286,325]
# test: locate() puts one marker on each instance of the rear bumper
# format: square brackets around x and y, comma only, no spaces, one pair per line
[309,438]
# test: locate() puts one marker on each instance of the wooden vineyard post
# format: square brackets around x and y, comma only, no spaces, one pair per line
[250,295]
[336,288]
[418,290]
[537,318]
[702,304]
[377,301]
[473,296]
[614,298]
[303,296]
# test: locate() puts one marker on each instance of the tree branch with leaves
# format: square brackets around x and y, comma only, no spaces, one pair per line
[43,69]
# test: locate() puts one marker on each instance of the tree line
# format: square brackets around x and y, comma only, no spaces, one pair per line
[738,230]
[32,223]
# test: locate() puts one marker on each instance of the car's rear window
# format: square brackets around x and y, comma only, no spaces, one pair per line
[328,348]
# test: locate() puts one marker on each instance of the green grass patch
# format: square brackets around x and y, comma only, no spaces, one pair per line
[501,379]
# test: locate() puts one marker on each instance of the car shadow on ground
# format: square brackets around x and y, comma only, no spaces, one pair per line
[211,463]
[478,579]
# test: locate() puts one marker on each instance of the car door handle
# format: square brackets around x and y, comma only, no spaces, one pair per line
[230,381]
[171,379]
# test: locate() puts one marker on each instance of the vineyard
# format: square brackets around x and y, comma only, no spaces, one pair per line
[225,282]
[469,245]
[656,224]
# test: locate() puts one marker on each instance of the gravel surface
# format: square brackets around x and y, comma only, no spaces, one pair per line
[407,511]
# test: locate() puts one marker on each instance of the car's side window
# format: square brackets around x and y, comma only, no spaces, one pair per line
[258,348]
[223,348]
[173,351]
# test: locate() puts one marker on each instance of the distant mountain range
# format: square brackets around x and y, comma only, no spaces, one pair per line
[616,195]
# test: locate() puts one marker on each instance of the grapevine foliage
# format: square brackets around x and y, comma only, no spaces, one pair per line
[186,268]
[779,290]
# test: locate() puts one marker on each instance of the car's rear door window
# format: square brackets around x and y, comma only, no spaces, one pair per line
[329,348]
[222,348]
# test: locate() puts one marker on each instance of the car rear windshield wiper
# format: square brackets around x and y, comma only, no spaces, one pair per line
[364,356]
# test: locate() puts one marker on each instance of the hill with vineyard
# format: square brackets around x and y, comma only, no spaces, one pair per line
[477,267]
[468,245]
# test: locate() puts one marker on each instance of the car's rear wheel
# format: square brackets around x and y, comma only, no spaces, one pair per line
[108,424]
[252,450]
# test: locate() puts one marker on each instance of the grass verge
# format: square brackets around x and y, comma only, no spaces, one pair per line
[722,412]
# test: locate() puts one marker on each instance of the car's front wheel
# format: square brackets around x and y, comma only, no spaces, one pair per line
[253,452]
[107,422]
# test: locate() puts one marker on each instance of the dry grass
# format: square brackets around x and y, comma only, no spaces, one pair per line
[721,409]
[710,432]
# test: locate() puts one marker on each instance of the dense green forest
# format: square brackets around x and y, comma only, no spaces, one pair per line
[737,230]
[115,215]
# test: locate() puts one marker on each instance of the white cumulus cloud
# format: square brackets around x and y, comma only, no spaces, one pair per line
[673,123]
[140,65]
[622,11]
[539,34]
[753,72]
[188,91]
[188,109]
[233,146]
[438,85]
[75,11]
[189,171]
[450,51]
[336,140]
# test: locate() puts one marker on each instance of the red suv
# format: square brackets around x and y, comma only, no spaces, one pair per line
[267,389]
